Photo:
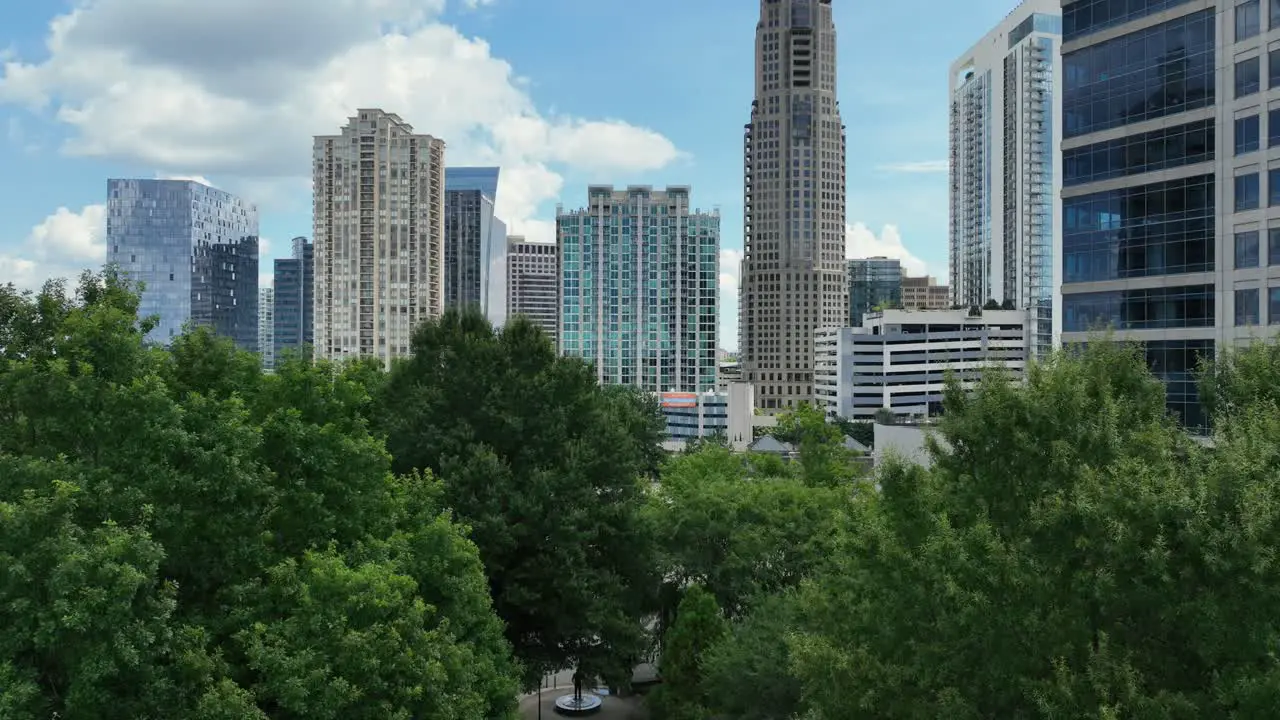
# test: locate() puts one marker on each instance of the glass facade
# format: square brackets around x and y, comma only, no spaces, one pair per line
[475,253]
[484,179]
[1161,149]
[1090,16]
[295,299]
[1151,309]
[873,283]
[638,288]
[195,248]
[1150,73]
[1158,229]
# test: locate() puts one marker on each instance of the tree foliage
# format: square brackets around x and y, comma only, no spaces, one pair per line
[181,536]
[549,471]
[1071,554]
[698,627]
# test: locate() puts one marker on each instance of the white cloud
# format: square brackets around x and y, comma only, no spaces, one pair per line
[730,273]
[730,269]
[862,242]
[235,89]
[473,4]
[923,166]
[61,246]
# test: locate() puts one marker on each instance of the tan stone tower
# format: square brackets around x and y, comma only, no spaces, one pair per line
[793,268]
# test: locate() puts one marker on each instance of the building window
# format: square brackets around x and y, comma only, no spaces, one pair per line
[1275,14]
[1247,78]
[1273,187]
[1273,306]
[1273,67]
[1246,307]
[1151,309]
[1247,192]
[1248,134]
[1247,249]
[1248,22]
[1273,126]
[1273,246]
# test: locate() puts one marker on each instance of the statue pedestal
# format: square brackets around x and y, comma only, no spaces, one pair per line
[573,706]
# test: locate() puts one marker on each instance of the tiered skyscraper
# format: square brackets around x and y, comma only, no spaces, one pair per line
[196,249]
[793,268]
[638,288]
[1005,209]
[379,236]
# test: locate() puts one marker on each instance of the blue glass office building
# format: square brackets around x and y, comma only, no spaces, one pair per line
[475,243]
[1171,203]
[638,292]
[484,179]
[294,323]
[196,250]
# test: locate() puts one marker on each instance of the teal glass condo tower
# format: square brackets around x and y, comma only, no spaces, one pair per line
[638,291]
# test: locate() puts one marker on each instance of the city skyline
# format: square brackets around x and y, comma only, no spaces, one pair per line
[526,116]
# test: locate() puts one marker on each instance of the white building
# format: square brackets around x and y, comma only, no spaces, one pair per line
[267,327]
[793,267]
[1005,176]
[728,411]
[379,236]
[901,359]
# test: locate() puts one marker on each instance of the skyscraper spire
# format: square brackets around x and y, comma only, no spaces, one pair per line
[793,269]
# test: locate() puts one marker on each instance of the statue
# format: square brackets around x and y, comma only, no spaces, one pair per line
[577,686]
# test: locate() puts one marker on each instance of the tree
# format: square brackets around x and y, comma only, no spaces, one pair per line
[747,675]
[1007,304]
[991,304]
[824,460]
[181,536]
[1069,553]
[698,627]
[549,471]
[738,537]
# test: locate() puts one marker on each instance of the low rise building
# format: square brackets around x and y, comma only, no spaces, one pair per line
[901,359]
[924,293]
[728,411]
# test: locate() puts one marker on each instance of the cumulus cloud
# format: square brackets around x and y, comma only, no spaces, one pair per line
[61,246]
[193,178]
[862,242]
[924,166]
[235,89]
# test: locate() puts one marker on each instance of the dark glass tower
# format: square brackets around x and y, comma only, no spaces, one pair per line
[295,299]
[195,248]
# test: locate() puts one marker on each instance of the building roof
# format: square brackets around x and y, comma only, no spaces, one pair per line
[771,444]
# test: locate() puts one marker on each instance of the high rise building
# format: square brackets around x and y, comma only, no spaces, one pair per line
[1005,207]
[196,249]
[638,290]
[266,327]
[379,236]
[874,282]
[294,300]
[475,246]
[1165,234]
[793,268]
[924,293]
[532,279]
[484,179]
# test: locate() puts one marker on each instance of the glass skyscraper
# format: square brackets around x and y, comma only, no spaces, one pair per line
[638,288]
[873,282]
[1005,208]
[475,244]
[1171,211]
[294,300]
[196,250]
[484,179]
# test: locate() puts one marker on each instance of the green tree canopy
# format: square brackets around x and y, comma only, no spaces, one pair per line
[698,627]
[1072,553]
[181,536]
[549,470]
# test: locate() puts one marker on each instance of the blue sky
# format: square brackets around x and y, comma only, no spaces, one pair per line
[561,93]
